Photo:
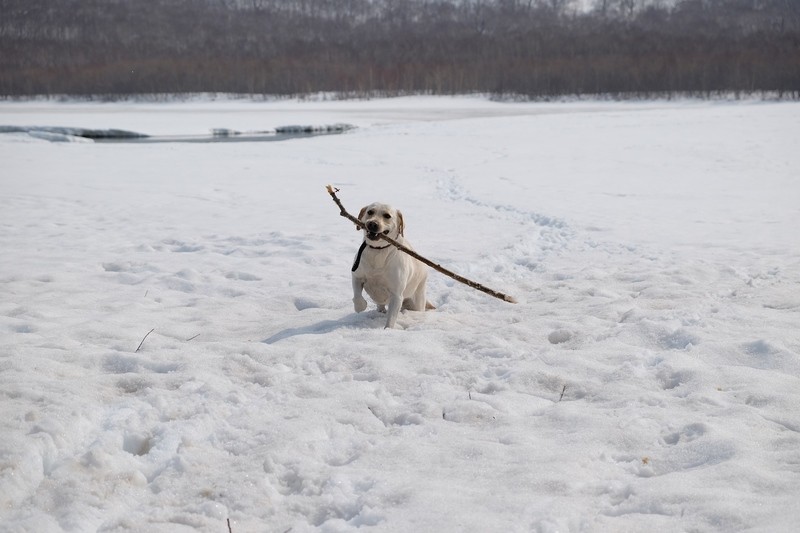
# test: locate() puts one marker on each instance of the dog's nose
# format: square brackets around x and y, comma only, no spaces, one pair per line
[373,226]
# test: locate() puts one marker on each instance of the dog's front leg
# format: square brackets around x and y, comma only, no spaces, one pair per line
[359,303]
[395,302]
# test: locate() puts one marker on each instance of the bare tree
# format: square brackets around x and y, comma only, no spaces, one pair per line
[538,48]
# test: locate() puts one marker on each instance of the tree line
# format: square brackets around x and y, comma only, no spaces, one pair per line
[530,48]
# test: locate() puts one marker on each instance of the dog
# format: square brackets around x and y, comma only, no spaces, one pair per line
[393,279]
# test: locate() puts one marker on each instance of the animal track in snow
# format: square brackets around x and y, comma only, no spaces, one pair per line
[685,434]
[670,378]
[524,238]
[242,276]
[560,336]
[178,246]
[449,189]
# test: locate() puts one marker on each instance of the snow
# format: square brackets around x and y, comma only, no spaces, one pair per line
[648,380]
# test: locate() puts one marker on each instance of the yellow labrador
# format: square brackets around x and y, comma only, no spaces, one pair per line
[391,278]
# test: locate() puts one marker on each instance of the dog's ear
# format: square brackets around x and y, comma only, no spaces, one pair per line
[400,224]
[361,216]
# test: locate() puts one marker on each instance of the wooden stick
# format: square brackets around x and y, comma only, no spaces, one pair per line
[343,212]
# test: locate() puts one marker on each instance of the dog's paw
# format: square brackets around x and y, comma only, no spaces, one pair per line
[359,303]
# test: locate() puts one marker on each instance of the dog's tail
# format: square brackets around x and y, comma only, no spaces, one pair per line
[429,306]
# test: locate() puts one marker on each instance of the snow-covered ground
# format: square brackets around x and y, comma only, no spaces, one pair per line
[647,380]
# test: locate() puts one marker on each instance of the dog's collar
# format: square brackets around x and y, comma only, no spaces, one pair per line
[361,251]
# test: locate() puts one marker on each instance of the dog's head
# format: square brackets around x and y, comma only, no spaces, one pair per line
[381,219]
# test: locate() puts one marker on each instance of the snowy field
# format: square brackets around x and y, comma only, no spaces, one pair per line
[647,380]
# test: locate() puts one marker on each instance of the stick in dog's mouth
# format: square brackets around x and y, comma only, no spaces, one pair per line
[374,236]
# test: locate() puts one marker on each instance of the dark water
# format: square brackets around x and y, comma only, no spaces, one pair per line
[283,133]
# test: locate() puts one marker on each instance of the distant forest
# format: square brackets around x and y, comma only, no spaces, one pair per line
[528,48]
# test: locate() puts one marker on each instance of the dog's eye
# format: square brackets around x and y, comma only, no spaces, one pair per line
[371,212]
[387,216]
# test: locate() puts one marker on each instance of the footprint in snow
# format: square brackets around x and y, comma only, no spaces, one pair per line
[685,434]
[242,276]
[560,336]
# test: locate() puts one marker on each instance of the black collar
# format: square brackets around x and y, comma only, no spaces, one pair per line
[361,251]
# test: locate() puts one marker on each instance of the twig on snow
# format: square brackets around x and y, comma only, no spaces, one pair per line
[343,212]
[140,344]
[229,526]
[192,338]
[563,390]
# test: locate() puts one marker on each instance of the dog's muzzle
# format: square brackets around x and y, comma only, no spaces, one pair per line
[373,228]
